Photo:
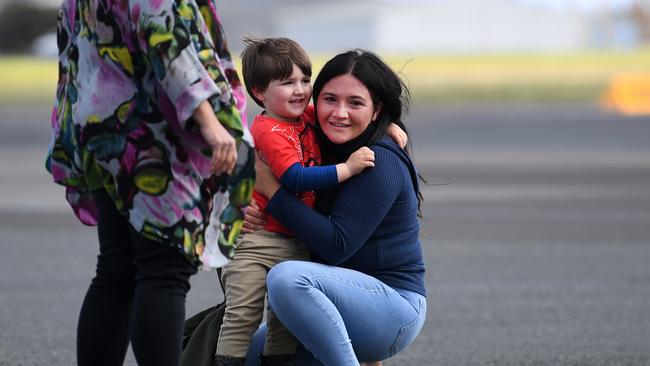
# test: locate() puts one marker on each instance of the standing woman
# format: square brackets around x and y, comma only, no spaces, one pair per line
[146,135]
[365,298]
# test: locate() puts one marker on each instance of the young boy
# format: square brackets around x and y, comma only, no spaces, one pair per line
[277,75]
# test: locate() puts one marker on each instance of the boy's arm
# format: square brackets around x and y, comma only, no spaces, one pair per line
[397,134]
[300,179]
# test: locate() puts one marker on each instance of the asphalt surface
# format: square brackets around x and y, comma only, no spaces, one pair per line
[536,233]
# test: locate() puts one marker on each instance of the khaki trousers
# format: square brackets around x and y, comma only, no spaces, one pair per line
[244,279]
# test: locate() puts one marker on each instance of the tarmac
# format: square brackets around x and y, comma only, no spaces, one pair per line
[536,234]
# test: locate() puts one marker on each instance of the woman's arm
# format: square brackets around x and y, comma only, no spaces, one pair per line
[189,73]
[360,206]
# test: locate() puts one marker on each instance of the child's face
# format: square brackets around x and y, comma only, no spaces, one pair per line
[287,99]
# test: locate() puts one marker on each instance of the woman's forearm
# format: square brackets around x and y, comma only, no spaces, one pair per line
[224,152]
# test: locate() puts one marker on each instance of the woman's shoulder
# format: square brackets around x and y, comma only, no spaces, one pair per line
[390,158]
[386,146]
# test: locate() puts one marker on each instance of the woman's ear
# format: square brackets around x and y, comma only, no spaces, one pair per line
[375,114]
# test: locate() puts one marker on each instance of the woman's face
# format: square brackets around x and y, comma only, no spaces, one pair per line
[345,109]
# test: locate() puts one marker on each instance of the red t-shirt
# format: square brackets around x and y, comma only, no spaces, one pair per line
[283,144]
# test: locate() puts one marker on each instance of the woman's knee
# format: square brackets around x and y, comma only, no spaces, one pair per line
[286,278]
[281,276]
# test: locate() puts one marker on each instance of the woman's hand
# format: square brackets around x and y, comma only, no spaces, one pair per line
[254,218]
[224,151]
[265,182]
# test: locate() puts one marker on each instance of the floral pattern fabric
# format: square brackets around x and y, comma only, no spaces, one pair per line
[131,73]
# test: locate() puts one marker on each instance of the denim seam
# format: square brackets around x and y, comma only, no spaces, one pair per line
[400,334]
[324,309]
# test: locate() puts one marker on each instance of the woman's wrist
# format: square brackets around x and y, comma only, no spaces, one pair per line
[265,182]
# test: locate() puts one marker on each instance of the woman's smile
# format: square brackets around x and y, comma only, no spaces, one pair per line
[339,124]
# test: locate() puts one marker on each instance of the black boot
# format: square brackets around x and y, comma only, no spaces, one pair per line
[277,360]
[221,360]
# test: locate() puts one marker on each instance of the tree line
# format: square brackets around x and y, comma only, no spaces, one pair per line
[21,23]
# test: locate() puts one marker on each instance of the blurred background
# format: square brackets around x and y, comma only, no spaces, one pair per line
[465,50]
[530,122]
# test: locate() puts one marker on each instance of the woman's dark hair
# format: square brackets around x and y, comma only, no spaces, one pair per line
[386,90]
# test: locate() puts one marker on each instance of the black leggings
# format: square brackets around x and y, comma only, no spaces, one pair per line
[138,294]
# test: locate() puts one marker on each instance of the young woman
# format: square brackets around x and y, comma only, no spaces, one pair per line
[363,296]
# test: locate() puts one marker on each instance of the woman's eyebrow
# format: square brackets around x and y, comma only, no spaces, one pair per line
[357,97]
[350,97]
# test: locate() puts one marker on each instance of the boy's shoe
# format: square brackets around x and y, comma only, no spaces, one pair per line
[277,360]
[221,360]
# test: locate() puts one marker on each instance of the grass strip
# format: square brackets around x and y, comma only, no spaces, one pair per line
[573,77]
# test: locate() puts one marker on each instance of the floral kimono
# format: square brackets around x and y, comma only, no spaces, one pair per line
[131,73]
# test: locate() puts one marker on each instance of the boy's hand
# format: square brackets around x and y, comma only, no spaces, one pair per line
[397,134]
[360,160]
[356,163]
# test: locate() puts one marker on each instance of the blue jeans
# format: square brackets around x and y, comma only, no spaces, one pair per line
[340,316]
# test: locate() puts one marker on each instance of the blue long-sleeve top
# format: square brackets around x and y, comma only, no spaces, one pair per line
[372,227]
[298,178]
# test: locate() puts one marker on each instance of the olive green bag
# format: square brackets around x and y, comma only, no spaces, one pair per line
[201,334]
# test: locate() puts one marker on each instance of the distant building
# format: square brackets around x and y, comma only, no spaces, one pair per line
[460,26]
[623,28]
[433,26]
